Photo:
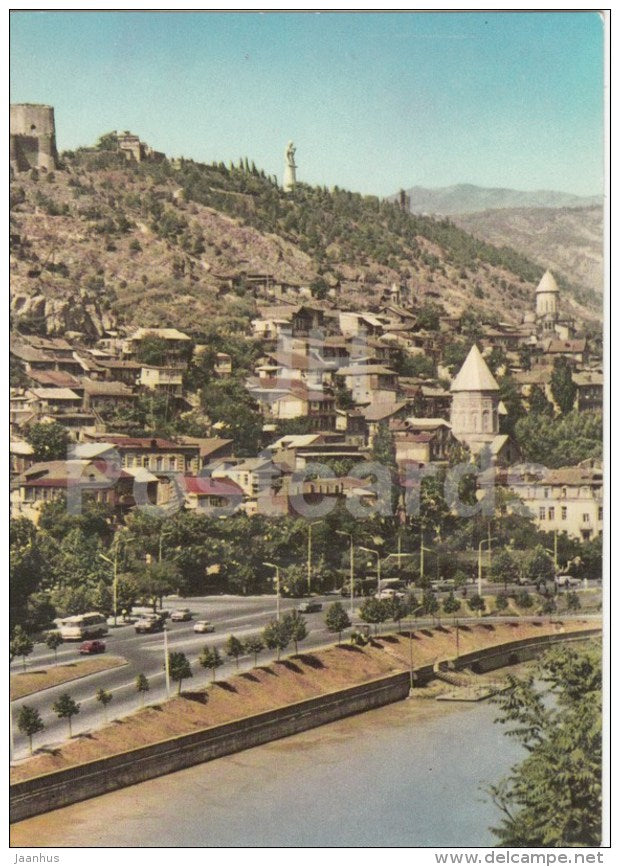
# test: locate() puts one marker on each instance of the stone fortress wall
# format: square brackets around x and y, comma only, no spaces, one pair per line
[32,137]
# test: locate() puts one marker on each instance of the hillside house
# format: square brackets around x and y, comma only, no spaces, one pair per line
[206,493]
[177,343]
[589,390]
[369,383]
[165,379]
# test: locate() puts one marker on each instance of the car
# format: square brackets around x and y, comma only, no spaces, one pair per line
[390,593]
[93,646]
[309,607]
[567,581]
[149,623]
[203,626]
[181,615]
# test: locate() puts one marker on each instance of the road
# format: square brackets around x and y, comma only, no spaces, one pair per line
[241,616]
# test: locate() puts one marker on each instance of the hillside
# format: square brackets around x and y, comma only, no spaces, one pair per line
[103,242]
[468,198]
[567,240]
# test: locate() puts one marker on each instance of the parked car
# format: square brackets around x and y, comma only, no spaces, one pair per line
[567,581]
[149,623]
[309,607]
[203,626]
[93,646]
[181,615]
[443,584]
[390,593]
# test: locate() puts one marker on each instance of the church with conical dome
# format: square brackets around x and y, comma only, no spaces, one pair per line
[549,322]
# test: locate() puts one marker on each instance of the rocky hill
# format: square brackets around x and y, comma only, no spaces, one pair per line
[468,198]
[567,240]
[103,243]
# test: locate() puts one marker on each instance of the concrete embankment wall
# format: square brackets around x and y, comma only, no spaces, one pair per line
[68,786]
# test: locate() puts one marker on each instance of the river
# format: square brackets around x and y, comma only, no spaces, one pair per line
[410,774]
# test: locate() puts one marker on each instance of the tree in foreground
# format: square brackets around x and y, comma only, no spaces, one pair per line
[29,722]
[451,604]
[553,797]
[234,648]
[372,611]
[66,708]
[572,601]
[21,645]
[253,645]
[505,568]
[501,602]
[396,609]
[296,627]
[53,640]
[104,697]
[210,658]
[337,619]
[142,686]
[179,667]
[276,636]
[477,603]
[430,603]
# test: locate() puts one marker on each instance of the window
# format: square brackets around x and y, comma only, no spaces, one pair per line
[551,513]
[173,463]
[541,513]
[546,493]
[564,513]
[586,517]
[600,513]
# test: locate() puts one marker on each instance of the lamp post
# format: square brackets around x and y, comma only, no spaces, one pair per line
[412,615]
[114,564]
[483,542]
[310,526]
[554,551]
[162,536]
[351,565]
[166,660]
[277,568]
[378,556]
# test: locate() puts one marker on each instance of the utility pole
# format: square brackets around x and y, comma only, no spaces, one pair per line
[351,566]
[167,661]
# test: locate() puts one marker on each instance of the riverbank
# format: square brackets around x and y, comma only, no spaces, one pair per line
[278,684]
[354,782]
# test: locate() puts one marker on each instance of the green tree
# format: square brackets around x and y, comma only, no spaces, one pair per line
[539,566]
[104,697]
[501,602]
[49,441]
[505,568]
[373,612]
[538,402]
[337,619]
[553,798]
[396,609]
[430,603]
[253,645]
[524,599]
[476,603]
[53,640]
[179,667]
[383,449]
[572,601]
[451,604]
[210,658]
[295,624]
[152,350]
[563,388]
[29,723]
[142,686]
[234,648]
[158,579]
[276,636]
[21,645]
[66,708]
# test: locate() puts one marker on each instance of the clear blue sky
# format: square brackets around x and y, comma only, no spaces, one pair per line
[373,101]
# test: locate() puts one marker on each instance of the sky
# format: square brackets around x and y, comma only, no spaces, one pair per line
[374,102]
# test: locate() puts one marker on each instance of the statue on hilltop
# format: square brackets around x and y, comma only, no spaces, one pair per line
[289,169]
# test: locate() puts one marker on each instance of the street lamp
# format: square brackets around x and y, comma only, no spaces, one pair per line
[412,616]
[166,660]
[351,565]
[277,568]
[378,556]
[483,542]
[114,564]
[310,526]
[554,550]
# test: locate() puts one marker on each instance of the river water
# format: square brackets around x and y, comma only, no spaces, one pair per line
[410,774]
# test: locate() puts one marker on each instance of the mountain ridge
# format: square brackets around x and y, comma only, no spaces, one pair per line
[470,198]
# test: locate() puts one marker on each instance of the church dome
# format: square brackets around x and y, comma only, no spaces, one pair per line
[547,283]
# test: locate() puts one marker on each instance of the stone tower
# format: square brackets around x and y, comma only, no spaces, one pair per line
[290,178]
[547,294]
[475,402]
[32,138]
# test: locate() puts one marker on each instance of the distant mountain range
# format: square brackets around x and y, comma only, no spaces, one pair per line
[468,198]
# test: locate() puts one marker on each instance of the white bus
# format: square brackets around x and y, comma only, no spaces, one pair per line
[90,625]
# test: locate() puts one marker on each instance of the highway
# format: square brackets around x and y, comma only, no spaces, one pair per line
[241,616]
[231,615]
